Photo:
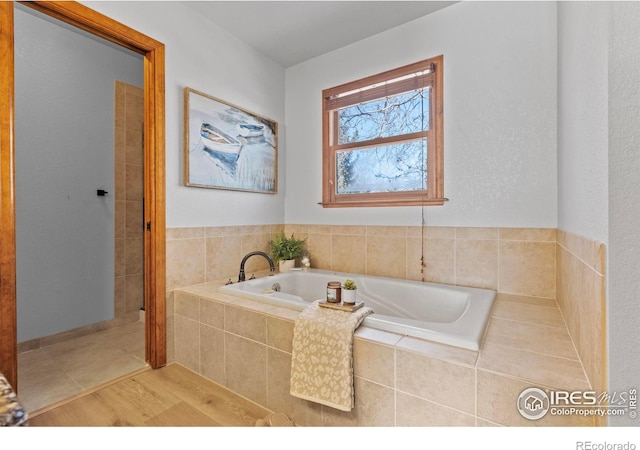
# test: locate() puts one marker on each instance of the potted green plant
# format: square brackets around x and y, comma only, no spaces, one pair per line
[349,290]
[285,250]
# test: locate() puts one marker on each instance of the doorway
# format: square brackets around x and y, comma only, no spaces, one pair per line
[154,209]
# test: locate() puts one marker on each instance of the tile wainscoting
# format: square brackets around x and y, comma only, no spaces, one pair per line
[581,297]
[399,381]
[528,267]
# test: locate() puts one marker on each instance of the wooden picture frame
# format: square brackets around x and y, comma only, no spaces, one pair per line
[228,147]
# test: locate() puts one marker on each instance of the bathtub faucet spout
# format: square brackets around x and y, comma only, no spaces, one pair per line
[272,267]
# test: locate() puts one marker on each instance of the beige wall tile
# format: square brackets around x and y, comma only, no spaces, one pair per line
[497,402]
[439,258]
[415,250]
[134,119]
[280,334]
[136,91]
[431,232]
[486,423]
[528,234]
[374,362]
[120,181]
[134,292]
[119,144]
[119,296]
[476,233]
[212,313]
[212,353]
[223,231]
[133,142]
[134,256]
[170,303]
[319,246]
[524,300]
[187,305]
[119,219]
[119,258]
[387,256]
[425,377]
[120,105]
[185,262]
[533,367]
[302,412]
[134,182]
[377,336]
[184,233]
[374,407]
[415,412]
[224,255]
[527,313]
[171,348]
[438,351]
[348,253]
[533,337]
[296,229]
[528,268]
[388,231]
[477,263]
[276,229]
[243,322]
[592,347]
[134,220]
[581,296]
[348,229]
[319,229]
[245,367]
[135,155]
[187,342]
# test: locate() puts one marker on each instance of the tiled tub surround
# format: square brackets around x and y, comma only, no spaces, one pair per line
[527,342]
[129,187]
[400,381]
[581,297]
[518,261]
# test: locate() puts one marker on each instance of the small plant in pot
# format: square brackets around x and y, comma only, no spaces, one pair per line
[349,290]
[285,250]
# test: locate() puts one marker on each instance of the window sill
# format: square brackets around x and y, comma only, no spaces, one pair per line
[378,203]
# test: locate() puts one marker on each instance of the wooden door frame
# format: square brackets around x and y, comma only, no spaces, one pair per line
[100,25]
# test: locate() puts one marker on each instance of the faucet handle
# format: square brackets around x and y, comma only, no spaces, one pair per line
[229,282]
[253,276]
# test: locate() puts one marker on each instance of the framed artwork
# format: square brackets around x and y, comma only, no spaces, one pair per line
[228,147]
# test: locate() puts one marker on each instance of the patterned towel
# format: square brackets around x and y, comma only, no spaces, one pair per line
[322,356]
[12,413]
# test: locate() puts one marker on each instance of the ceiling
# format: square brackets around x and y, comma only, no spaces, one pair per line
[290,32]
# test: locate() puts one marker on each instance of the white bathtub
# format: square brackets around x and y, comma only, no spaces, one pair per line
[452,315]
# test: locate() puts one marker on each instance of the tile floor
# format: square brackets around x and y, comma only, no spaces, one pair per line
[50,374]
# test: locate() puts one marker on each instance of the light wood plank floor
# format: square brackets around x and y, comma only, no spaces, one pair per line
[171,396]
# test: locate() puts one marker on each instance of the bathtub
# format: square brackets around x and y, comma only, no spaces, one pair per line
[452,315]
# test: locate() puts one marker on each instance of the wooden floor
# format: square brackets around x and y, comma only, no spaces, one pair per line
[172,396]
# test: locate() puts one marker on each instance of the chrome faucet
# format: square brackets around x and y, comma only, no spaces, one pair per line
[272,267]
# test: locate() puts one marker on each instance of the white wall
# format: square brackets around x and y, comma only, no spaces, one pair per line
[623,264]
[202,56]
[64,153]
[583,122]
[499,106]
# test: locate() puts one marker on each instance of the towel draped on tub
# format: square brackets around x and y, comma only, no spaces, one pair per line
[322,355]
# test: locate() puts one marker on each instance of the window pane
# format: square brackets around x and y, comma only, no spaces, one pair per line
[390,116]
[390,168]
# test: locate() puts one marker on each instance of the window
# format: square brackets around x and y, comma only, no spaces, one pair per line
[383,139]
